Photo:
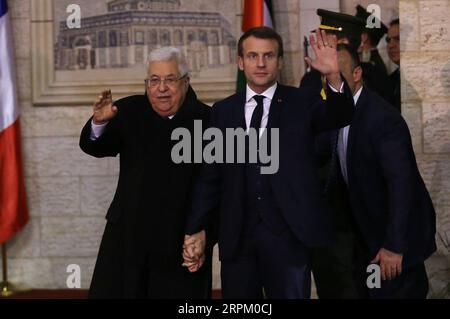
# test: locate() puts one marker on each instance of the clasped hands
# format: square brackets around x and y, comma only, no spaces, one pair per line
[194,251]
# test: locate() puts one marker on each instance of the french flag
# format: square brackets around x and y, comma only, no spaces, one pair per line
[13,207]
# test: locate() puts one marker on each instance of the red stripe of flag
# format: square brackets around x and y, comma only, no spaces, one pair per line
[13,206]
[253,14]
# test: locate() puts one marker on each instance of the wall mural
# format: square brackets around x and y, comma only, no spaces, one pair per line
[112,44]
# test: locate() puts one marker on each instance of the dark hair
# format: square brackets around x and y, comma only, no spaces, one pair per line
[339,35]
[375,37]
[261,33]
[394,22]
[352,52]
[372,39]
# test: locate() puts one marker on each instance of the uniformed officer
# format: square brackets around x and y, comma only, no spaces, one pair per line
[370,38]
[348,30]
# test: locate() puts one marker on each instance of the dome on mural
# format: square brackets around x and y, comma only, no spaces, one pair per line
[143,5]
[123,36]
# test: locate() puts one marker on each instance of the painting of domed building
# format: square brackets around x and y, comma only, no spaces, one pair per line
[122,36]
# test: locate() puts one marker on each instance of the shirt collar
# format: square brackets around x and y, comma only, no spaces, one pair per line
[357,94]
[267,93]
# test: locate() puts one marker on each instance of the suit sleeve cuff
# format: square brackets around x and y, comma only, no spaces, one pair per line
[97,130]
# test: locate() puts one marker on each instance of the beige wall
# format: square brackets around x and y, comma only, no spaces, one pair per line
[425,60]
[69,192]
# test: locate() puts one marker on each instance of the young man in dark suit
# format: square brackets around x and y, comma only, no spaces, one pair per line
[268,223]
[392,216]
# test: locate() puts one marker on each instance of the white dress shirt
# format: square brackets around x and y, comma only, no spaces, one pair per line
[342,142]
[250,105]
[98,129]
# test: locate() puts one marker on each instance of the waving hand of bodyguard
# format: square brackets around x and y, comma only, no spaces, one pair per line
[326,61]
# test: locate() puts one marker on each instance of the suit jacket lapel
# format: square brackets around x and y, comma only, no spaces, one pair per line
[237,113]
[276,107]
[354,128]
[238,106]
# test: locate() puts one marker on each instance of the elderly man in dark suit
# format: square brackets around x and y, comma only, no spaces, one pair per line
[269,222]
[141,250]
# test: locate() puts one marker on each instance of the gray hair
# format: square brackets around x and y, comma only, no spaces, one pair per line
[168,54]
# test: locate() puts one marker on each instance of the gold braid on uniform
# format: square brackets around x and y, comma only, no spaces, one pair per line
[323,93]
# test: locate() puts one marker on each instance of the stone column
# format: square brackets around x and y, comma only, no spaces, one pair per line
[425,75]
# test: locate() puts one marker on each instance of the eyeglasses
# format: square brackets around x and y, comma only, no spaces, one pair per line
[395,39]
[170,81]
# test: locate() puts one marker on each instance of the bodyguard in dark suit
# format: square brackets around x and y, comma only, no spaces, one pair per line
[141,251]
[392,211]
[332,264]
[268,223]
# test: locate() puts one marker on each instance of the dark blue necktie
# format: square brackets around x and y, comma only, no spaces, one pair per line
[257,112]
[255,123]
[332,173]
